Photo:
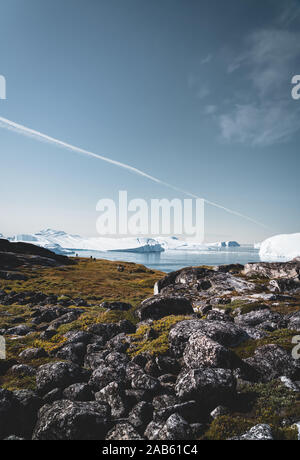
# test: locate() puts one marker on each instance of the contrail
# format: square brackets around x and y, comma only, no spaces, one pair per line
[20,129]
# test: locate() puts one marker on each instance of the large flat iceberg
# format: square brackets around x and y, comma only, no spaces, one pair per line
[280,247]
[59,240]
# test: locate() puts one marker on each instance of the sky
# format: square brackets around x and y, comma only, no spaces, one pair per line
[194,93]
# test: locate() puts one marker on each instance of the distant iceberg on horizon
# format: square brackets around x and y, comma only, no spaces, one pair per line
[64,243]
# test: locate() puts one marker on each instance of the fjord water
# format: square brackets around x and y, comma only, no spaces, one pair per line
[169,261]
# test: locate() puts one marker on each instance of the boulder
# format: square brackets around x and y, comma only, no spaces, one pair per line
[257,433]
[59,375]
[141,415]
[225,333]
[123,432]
[272,361]
[70,420]
[203,351]
[158,306]
[78,392]
[175,428]
[114,396]
[209,387]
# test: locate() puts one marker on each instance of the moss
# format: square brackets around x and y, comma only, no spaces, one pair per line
[281,337]
[285,434]
[100,277]
[12,383]
[158,345]
[50,345]
[226,427]
[273,402]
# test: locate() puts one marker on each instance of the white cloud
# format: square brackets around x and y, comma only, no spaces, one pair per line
[210,109]
[268,65]
[260,125]
[207,59]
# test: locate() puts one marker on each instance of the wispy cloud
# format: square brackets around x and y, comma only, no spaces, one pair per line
[207,59]
[265,68]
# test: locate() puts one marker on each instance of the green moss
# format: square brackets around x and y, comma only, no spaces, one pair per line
[12,383]
[273,402]
[281,337]
[226,427]
[158,345]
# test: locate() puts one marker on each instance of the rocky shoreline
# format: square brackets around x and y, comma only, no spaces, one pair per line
[208,356]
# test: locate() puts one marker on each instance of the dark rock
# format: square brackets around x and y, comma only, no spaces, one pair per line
[257,318]
[203,351]
[52,396]
[209,387]
[175,428]
[9,411]
[189,410]
[114,396]
[70,420]
[29,404]
[33,353]
[119,306]
[123,432]
[22,370]
[78,392]
[159,306]
[19,330]
[73,352]
[227,334]
[272,361]
[59,375]
[141,415]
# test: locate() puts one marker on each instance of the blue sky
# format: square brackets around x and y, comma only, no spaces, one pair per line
[196,93]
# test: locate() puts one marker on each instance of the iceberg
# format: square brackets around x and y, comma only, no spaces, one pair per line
[280,247]
[59,241]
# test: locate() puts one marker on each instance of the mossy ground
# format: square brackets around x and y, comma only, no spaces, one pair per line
[98,281]
[158,345]
[94,281]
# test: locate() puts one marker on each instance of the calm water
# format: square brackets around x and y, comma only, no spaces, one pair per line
[173,260]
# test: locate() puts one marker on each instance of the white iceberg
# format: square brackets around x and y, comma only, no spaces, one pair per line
[280,247]
[59,240]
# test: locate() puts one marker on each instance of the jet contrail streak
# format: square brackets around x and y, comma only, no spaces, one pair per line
[20,129]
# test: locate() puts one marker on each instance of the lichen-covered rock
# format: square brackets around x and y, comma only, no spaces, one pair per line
[158,306]
[261,432]
[258,318]
[189,410]
[78,392]
[294,321]
[70,420]
[272,361]
[273,270]
[139,380]
[141,415]
[175,428]
[210,387]
[123,432]
[203,351]
[33,353]
[59,375]
[119,306]
[104,375]
[114,396]
[225,333]
[22,370]
[73,352]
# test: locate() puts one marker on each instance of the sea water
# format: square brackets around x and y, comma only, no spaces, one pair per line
[169,261]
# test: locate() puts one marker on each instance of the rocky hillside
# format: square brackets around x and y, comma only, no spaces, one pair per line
[92,354]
